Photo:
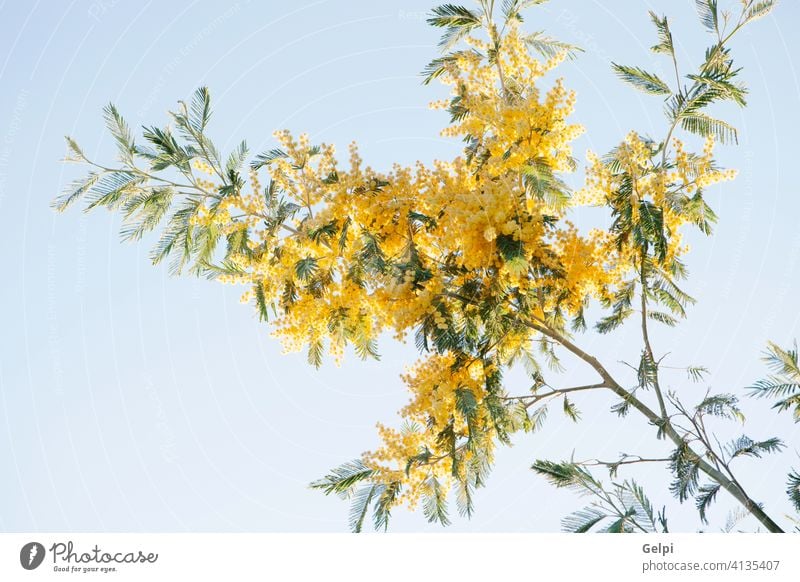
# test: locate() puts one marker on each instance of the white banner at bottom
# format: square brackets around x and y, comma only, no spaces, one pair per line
[375,557]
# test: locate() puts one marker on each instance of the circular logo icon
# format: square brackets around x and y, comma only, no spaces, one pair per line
[31,555]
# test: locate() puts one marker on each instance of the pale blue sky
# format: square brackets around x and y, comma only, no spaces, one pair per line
[132,401]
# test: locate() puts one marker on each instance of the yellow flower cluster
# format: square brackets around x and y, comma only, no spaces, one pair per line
[344,254]
[202,166]
[507,111]
[641,170]
[698,171]
[326,269]
[434,384]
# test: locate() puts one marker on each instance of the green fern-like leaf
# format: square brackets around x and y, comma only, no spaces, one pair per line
[696,373]
[708,12]
[760,10]
[583,520]
[343,478]
[434,502]
[457,20]
[705,497]
[200,109]
[665,43]
[744,446]
[264,159]
[793,489]
[706,126]
[451,15]
[721,405]
[549,47]
[685,466]
[383,507]
[144,211]
[359,505]
[642,80]
[75,191]
[122,135]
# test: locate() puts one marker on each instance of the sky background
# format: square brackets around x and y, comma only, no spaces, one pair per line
[135,401]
